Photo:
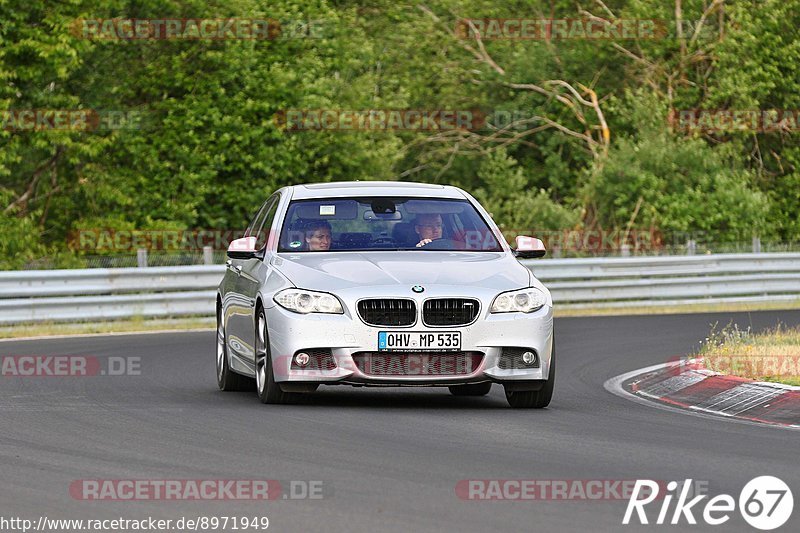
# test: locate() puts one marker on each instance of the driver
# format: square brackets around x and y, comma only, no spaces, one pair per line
[429,228]
[318,236]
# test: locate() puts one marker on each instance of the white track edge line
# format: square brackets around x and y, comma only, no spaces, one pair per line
[614,386]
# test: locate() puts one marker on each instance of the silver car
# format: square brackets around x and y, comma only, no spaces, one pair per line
[382,284]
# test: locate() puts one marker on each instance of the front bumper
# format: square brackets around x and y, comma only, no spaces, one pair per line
[346,335]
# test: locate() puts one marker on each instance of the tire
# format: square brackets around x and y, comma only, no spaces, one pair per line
[473,389]
[535,399]
[266,387]
[227,379]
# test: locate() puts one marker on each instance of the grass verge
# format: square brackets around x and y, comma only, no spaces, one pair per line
[773,355]
[115,326]
[677,309]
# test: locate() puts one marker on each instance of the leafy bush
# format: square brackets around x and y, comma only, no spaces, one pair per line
[681,184]
[505,193]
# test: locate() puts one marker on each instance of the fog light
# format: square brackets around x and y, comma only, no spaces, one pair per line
[301,359]
[528,358]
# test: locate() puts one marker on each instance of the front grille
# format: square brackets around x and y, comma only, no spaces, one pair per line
[450,311]
[418,363]
[387,312]
[511,359]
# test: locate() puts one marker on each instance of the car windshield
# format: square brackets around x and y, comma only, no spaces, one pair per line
[385,223]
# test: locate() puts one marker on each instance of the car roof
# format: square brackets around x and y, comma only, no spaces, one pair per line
[374,188]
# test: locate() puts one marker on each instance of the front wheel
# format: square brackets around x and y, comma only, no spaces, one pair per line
[268,390]
[536,399]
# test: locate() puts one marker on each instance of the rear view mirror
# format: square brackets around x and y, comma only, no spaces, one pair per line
[244,248]
[529,248]
[371,215]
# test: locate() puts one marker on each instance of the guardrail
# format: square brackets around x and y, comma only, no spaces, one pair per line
[108,293]
[671,280]
[103,294]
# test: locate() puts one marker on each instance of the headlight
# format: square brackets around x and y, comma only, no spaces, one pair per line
[302,301]
[522,301]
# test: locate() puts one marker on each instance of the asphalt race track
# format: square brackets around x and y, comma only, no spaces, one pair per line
[388,459]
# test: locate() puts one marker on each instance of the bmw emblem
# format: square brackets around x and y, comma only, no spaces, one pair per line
[418,288]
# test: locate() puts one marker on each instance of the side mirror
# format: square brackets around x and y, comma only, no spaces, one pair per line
[244,248]
[529,248]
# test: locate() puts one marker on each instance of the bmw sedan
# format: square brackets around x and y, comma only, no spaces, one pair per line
[382,284]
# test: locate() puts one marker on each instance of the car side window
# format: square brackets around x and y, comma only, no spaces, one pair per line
[266,223]
[258,220]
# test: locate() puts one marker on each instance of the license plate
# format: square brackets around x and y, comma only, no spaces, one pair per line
[419,340]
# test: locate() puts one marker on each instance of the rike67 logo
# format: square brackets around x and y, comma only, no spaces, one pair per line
[765,503]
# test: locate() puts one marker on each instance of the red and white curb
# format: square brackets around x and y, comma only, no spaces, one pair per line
[688,387]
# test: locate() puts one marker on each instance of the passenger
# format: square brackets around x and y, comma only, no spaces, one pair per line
[428,228]
[318,236]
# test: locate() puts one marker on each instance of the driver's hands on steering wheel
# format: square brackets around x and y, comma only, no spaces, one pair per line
[423,242]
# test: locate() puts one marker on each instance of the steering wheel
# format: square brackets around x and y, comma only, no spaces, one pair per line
[441,244]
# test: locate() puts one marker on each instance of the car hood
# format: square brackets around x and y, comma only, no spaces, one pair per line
[329,271]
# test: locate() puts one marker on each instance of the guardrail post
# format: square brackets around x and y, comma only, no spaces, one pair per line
[756,245]
[691,247]
[141,257]
[208,255]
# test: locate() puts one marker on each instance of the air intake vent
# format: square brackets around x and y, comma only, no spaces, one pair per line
[318,359]
[511,359]
[418,364]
